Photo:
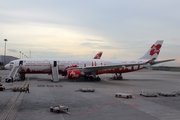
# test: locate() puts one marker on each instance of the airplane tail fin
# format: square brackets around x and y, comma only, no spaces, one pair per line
[98,55]
[154,51]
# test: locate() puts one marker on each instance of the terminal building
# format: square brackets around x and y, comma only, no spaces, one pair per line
[6,59]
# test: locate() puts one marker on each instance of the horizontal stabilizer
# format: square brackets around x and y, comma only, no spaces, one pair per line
[161,61]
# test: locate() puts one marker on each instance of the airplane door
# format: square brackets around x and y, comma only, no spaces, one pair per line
[20,62]
[54,63]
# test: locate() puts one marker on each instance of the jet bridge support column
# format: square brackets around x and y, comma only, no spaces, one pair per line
[55,72]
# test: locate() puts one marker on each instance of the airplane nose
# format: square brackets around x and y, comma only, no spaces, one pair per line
[6,67]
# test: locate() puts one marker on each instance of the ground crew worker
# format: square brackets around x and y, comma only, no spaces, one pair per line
[27,88]
[0,79]
[11,79]
[6,79]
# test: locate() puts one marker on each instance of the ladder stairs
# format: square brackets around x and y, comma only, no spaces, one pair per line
[55,74]
[14,71]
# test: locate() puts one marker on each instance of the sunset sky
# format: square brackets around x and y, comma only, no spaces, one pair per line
[122,29]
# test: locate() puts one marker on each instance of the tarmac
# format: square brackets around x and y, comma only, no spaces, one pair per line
[99,105]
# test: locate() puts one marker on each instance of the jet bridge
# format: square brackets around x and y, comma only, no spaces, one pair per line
[55,72]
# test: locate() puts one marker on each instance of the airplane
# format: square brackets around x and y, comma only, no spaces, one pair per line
[87,68]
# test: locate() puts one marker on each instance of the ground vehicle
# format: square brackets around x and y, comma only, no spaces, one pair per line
[87,89]
[21,89]
[148,94]
[59,109]
[167,94]
[123,95]
[1,87]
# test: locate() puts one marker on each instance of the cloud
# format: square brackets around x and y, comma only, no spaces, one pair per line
[13,50]
[100,46]
[122,29]
[94,40]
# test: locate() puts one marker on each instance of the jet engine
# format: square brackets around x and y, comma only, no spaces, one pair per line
[74,74]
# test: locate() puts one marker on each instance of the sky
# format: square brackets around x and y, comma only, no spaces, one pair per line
[122,29]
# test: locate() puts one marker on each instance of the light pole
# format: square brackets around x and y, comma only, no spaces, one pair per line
[5,52]
[22,55]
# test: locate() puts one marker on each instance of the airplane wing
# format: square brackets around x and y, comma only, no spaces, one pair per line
[96,68]
[157,62]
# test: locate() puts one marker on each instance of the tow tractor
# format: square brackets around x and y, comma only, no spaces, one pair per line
[59,109]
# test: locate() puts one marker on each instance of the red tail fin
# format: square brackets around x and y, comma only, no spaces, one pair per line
[98,55]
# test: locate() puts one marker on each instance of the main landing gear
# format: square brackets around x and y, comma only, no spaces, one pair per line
[117,76]
[92,78]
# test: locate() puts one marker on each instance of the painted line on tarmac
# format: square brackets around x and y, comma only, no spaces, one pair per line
[80,113]
[10,111]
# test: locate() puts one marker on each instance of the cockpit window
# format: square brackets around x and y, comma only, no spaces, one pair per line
[11,62]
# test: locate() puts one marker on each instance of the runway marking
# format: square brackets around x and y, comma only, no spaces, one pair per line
[17,83]
[10,111]
[98,108]
[42,114]
[50,85]
[134,105]
[89,111]
[159,111]
[41,85]
[8,105]
[58,85]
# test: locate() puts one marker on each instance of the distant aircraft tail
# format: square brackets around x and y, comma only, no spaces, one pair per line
[154,51]
[98,55]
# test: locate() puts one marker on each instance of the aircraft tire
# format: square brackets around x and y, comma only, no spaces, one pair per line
[98,79]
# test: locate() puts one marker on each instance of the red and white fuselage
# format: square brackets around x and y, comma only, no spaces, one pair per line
[43,66]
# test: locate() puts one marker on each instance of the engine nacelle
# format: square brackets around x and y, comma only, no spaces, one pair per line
[74,74]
